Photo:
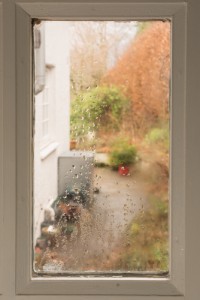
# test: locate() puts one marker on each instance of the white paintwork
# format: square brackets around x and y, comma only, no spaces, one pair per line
[48,149]
[1,144]
[19,87]
[132,286]
[78,178]
[44,153]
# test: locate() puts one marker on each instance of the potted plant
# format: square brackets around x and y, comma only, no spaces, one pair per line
[73,144]
[122,155]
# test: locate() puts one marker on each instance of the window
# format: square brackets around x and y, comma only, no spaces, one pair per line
[105,208]
[184,162]
[1,147]
[162,285]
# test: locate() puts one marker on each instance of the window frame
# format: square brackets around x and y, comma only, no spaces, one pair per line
[48,101]
[26,284]
[13,173]
[1,145]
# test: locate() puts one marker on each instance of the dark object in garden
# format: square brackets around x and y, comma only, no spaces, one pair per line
[96,190]
[79,196]
[67,218]
[67,209]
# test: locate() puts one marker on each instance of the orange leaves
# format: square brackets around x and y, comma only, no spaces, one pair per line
[143,73]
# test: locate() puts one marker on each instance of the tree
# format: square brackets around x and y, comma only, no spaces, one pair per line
[143,73]
[95,46]
[100,110]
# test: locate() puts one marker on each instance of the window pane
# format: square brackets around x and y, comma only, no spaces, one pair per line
[101,197]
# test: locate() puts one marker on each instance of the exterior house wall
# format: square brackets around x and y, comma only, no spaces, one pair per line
[52,103]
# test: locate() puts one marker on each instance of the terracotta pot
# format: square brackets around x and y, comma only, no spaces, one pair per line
[72,144]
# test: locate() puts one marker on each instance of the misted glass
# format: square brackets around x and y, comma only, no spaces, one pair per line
[101,147]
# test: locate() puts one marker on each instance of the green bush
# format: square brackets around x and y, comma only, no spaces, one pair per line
[160,253]
[101,107]
[159,206]
[147,237]
[158,135]
[135,229]
[122,153]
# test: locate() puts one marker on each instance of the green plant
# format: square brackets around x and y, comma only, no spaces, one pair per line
[159,206]
[158,135]
[134,229]
[122,153]
[159,251]
[101,107]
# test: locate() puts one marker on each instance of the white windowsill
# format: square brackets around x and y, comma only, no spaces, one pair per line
[47,150]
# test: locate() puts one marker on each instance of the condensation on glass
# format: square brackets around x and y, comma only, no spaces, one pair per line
[101,147]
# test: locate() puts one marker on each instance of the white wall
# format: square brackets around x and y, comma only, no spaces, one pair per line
[47,149]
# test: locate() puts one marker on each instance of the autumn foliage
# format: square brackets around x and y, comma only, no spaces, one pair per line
[143,73]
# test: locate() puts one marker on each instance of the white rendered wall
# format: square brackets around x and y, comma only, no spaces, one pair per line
[47,150]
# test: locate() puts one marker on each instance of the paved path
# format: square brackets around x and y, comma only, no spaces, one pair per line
[118,201]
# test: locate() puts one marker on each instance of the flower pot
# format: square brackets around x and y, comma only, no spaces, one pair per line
[123,170]
[73,144]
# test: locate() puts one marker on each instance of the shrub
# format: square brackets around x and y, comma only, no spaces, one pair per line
[158,135]
[101,107]
[147,237]
[160,207]
[134,229]
[122,153]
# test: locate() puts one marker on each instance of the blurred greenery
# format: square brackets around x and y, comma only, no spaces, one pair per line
[101,108]
[147,247]
[122,153]
[159,135]
[159,207]
[141,26]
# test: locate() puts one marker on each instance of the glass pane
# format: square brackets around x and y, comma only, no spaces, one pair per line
[101,193]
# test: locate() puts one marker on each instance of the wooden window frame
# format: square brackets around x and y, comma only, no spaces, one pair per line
[18,282]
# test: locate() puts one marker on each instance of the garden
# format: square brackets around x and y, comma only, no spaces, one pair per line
[123,112]
[120,113]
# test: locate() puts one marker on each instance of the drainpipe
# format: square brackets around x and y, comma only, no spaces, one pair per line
[39,57]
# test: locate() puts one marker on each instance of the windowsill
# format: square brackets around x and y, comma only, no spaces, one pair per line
[47,150]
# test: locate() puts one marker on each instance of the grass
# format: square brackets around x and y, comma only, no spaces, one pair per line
[158,135]
[145,246]
[146,242]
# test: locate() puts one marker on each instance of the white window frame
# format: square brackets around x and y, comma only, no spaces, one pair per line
[48,143]
[1,144]
[17,283]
